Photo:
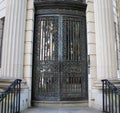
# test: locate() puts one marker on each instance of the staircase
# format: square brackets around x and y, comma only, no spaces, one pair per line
[111,96]
[61,109]
[10,96]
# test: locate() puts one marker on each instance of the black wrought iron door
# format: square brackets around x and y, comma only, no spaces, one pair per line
[59,58]
[73,61]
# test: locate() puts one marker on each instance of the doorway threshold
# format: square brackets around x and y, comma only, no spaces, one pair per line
[82,103]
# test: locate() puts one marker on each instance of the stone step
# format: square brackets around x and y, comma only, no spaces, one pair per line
[116,83]
[4,84]
[60,109]
[83,103]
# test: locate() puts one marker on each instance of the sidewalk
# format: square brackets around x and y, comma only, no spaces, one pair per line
[61,110]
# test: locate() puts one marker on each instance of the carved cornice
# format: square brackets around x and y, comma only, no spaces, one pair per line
[61,5]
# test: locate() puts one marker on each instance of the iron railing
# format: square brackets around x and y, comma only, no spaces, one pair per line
[10,98]
[111,97]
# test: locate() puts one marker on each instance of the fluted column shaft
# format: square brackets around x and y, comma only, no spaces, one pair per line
[105,40]
[13,42]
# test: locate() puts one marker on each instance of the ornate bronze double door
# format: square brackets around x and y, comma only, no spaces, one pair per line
[59,71]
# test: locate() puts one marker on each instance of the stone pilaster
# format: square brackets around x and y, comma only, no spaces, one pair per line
[13,42]
[105,40]
[28,53]
[91,44]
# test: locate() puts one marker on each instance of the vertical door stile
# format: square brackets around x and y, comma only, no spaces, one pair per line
[59,55]
[60,35]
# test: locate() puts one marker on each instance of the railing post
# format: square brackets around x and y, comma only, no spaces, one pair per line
[2,103]
[115,103]
[103,92]
[8,104]
[5,103]
[112,101]
[11,103]
[17,99]
[106,90]
[109,102]
[19,82]
[119,102]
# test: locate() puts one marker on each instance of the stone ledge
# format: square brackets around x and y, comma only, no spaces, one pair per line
[98,84]
[5,83]
[60,103]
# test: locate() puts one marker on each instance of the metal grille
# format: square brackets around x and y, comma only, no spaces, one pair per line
[71,38]
[73,66]
[59,58]
[48,31]
[45,58]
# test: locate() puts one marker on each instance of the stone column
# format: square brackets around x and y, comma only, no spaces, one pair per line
[105,40]
[13,42]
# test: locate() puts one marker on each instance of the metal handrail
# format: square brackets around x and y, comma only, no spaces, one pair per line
[111,97]
[10,98]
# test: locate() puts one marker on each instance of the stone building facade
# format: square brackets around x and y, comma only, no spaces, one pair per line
[102,21]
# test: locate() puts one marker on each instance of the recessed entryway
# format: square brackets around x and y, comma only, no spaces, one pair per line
[59,63]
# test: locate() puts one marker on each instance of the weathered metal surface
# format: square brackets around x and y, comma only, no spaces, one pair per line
[60,70]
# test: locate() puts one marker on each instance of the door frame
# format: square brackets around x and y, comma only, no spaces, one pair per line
[39,10]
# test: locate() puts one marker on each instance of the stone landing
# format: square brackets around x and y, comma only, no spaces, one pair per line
[61,109]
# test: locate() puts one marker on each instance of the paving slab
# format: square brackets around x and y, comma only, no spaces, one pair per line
[62,109]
